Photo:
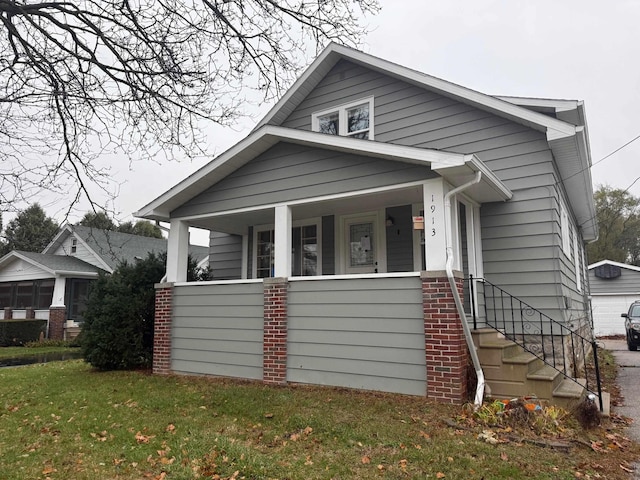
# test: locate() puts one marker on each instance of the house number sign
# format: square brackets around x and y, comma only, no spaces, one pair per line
[434,236]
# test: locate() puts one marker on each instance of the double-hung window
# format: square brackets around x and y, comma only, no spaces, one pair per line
[304,251]
[351,120]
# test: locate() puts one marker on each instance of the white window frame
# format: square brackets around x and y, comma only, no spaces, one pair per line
[342,118]
[317,222]
[577,263]
[565,229]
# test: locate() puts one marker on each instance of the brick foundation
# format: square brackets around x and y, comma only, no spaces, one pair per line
[274,360]
[57,319]
[445,345]
[8,313]
[162,329]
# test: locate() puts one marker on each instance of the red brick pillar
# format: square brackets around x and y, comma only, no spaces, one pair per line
[274,359]
[445,345]
[30,313]
[162,329]
[8,313]
[57,319]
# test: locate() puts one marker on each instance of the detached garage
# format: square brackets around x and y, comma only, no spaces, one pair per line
[614,286]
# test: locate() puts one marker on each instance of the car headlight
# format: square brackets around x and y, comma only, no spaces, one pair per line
[636,326]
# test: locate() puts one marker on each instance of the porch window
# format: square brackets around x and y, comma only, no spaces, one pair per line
[304,251]
[37,294]
[352,120]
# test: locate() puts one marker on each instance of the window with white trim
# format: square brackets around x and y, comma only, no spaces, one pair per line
[304,251]
[577,263]
[565,230]
[351,120]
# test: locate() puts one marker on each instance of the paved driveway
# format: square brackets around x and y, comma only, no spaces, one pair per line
[629,382]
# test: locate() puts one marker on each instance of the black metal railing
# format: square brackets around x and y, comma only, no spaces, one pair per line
[557,344]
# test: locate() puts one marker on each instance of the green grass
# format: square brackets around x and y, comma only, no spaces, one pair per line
[64,420]
[16,352]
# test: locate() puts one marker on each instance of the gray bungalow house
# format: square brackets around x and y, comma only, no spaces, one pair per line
[53,285]
[346,226]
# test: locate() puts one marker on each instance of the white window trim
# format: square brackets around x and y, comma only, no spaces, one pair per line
[577,265]
[342,117]
[564,229]
[297,223]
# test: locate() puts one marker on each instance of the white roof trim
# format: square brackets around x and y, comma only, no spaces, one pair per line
[68,228]
[333,52]
[268,135]
[14,254]
[616,264]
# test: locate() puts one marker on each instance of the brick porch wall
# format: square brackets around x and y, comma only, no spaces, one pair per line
[274,360]
[445,345]
[57,319]
[162,329]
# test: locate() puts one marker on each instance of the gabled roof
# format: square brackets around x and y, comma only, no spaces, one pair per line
[456,168]
[110,248]
[53,264]
[615,264]
[568,141]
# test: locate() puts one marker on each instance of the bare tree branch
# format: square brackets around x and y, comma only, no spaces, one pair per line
[141,78]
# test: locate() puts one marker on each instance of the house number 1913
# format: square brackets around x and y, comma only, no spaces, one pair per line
[433,218]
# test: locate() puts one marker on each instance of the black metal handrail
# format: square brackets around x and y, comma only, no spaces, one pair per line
[556,344]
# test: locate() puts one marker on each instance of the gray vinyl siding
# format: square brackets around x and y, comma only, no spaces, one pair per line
[288,172]
[218,330]
[400,239]
[627,283]
[520,238]
[225,256]
[328,245]
[358,333]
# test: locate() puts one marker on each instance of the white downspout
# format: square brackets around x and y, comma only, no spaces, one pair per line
[456,296]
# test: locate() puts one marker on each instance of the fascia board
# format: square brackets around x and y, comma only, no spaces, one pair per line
[496,105]
[269,135]
[616,264]
[474,164]
[29,261]
[64,230]
[105,265]
[557,104]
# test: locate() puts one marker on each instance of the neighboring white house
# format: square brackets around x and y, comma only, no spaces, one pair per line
[614,286]
[54,284]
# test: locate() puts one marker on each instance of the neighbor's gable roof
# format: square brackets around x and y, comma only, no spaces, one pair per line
[615,264]
[111,248]
[53,264]
[456,168]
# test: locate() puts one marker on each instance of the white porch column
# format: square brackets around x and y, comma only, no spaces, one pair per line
[282,242]
[59,288]
[435,244]
[177,251]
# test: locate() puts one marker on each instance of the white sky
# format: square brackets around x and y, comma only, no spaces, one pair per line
[580,50]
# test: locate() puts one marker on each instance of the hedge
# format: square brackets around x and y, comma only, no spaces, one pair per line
[20,331]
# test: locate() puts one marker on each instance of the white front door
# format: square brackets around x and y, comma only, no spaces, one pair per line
[361,244]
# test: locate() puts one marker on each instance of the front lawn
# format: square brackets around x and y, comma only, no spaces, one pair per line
[64,420]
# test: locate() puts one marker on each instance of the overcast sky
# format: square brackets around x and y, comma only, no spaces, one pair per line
[579,50]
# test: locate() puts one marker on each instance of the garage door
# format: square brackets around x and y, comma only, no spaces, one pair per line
[606,313]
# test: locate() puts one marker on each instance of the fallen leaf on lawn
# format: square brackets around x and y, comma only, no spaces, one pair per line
[366,460]
[450,459]
[308,461]
[171,428]
[48,470]
[308,430]
[628,470]
[268,415]
[424,435]
[596,446]
[140,438]
[167,461]
[504,456]
[403,464]
[294,437]
[440,475]
[380,467]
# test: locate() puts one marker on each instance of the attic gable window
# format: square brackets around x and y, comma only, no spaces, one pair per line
[351,120]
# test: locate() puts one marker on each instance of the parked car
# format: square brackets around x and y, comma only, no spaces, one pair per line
[632,326]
